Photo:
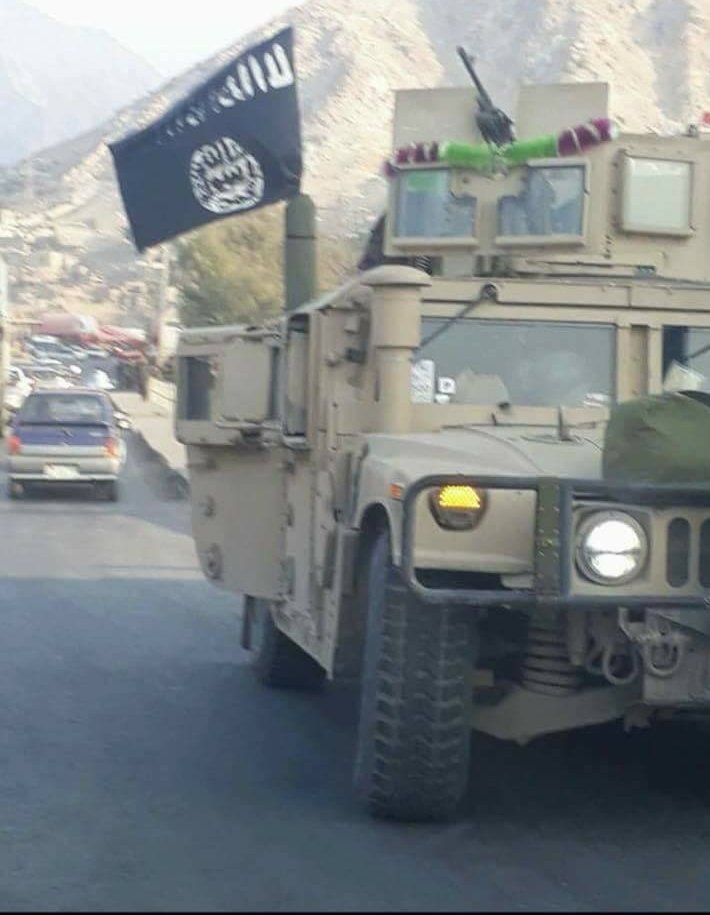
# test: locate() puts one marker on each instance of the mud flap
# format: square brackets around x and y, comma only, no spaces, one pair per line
[247,619]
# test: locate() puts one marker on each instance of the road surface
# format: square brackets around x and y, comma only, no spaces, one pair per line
[143,768]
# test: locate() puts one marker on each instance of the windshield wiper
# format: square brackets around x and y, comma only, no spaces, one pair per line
[488,293]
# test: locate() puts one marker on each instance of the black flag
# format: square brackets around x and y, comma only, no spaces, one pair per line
[234,144]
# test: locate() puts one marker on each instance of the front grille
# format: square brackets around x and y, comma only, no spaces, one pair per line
[678,553]
[680,543]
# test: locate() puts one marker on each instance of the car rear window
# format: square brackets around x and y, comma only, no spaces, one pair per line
[63,408]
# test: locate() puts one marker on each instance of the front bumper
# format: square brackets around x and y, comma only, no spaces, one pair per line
[554,542]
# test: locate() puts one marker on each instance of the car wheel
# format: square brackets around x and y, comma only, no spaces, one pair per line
[278,661]
[14,490]
[414,733]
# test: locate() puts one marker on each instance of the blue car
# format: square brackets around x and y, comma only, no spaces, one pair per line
[66,437]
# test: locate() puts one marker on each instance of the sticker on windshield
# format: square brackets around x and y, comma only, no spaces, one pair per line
[423,379]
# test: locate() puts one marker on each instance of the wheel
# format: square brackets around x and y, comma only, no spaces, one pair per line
[279,661]
[414,734]
[14,490]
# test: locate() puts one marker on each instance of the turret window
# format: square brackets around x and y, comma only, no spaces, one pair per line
[426,208]
[551,203]
[656,195]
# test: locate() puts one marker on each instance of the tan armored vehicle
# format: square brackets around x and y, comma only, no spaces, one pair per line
[406,476]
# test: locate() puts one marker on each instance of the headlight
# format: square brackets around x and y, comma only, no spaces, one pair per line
[611,548]
[456,507]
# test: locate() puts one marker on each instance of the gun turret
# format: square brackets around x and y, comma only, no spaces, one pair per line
[494,124]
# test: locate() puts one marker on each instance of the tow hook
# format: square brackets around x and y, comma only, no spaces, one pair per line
[662,645]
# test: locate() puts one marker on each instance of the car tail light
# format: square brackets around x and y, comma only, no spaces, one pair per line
[112,447]
[14,444]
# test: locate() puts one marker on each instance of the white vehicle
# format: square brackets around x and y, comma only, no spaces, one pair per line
[49,377]
[99,379]
[18,386]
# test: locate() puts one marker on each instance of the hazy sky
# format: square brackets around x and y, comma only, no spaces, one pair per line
[169,34]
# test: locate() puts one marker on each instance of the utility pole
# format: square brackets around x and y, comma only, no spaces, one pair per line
[158,275]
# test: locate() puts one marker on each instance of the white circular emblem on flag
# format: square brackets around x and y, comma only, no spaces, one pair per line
[225,178]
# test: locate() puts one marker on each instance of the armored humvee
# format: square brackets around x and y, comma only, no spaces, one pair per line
[406,476]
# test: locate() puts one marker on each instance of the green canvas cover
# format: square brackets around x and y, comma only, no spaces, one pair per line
[663,438]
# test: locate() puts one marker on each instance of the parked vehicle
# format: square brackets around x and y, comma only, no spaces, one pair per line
[44,348]
[49,376]
[65,437]
[17,387]
[97,378]
[96,352]
[79,352]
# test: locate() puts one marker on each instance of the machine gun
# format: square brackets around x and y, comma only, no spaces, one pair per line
[494,124]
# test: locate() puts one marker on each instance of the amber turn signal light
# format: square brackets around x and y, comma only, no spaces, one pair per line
[457,507]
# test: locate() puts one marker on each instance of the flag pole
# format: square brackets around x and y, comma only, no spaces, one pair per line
[300,251]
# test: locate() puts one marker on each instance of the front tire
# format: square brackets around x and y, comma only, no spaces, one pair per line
[278,661]
[414,734]
[14,490]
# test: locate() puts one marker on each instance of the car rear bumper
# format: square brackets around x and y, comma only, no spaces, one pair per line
[70,481]
[38,469]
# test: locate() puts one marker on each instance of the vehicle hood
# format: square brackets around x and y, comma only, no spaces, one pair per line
[506,450]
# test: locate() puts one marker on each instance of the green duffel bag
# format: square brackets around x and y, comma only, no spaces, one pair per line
[661,438]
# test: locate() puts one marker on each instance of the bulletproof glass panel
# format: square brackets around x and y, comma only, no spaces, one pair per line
[246,380]
[686,358]
[551,203]
[195,388]
[297,378]
[426,208]
[656,196]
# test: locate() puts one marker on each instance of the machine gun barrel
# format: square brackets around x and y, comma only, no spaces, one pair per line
[484,99]
[494,125]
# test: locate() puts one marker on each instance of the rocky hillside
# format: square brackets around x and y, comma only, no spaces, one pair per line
[58,80]
[351,58]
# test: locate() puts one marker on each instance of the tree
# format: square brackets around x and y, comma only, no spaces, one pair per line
[232,271]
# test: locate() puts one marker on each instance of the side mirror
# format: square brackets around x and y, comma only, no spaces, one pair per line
[123,421]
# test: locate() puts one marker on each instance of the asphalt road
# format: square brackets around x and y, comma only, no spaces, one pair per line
[142,767]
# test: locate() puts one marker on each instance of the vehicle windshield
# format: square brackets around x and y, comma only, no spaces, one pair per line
[523,363]
[83,409]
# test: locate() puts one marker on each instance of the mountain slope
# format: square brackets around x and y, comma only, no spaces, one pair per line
[58,80]
[351,59]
